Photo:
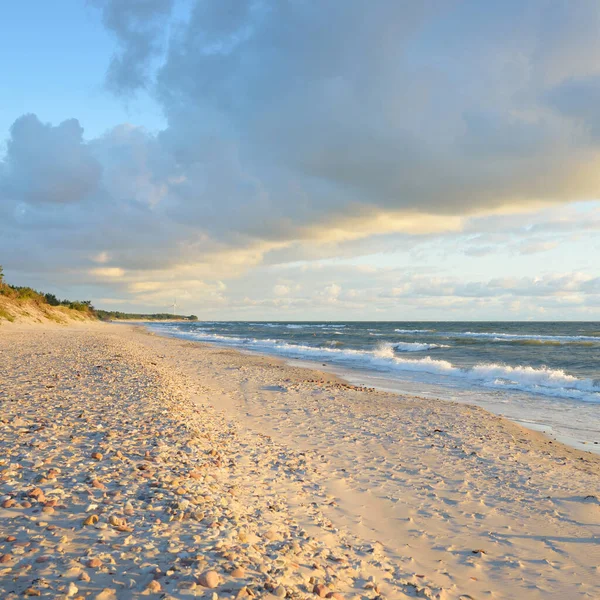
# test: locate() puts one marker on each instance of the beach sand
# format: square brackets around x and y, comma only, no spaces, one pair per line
[135,465]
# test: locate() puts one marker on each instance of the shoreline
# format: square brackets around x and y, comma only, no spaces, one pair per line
[358,377]
[528,418]
[473,429]
[410,496]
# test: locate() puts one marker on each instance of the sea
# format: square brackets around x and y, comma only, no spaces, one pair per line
[543,375]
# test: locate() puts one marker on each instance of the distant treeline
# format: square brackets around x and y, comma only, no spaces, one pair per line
[115,315]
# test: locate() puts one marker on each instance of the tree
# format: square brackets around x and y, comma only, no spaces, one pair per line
[52,300]
[1,274]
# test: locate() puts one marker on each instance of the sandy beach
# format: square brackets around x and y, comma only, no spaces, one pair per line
[135,465]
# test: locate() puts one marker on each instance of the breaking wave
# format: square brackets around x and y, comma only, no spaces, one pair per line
[543,380]
[523,337]
[414,330]
[416,346]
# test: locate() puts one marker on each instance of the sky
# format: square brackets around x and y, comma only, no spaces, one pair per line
[301,160]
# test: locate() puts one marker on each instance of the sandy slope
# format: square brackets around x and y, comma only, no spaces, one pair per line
[15,313]
[366,492]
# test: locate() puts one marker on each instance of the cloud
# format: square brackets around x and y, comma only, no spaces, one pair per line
[536,247]
[137,26]
[108,272]
[281,290]
[48,164]
[296,132]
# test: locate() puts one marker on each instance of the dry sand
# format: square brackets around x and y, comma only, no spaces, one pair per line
[271,479]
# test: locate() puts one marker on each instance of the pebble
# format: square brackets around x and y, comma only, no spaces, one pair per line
[210,579]
[154,587]
[94,563]
[91,520]
[173,487]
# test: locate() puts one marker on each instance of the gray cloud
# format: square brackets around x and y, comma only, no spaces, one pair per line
[579,99]
[291,124]
[138,26]
[48,164]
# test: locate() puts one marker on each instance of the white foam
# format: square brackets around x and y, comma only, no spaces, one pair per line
[544,381]
[416,346]
[499,337]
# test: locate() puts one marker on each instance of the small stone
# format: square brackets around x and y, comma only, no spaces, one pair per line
[91,520]
[154,586]
[9,503]
[94,563]
[26,504]
[10,538]
[116,521]
[210,579]
[238,573]
[36,493]
[84,577]
[335,596]
[320,590]
[72,590]
[96,456]
[4,558]
[48,510]
[280,591]
[98,484]
[32,592]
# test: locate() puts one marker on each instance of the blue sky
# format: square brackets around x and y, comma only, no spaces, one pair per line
[395,160]
[53,56]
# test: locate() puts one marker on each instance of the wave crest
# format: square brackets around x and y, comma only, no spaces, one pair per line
[543,381]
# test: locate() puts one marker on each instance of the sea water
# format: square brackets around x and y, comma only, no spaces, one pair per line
[545,375]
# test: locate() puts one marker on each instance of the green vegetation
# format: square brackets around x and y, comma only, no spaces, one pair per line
[6,315]
[117,315]
[44,301]
[22,294]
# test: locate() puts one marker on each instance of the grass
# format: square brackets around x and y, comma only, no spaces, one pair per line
[6,315]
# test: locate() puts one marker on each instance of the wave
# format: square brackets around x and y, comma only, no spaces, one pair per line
[523,337]
[496,336]
[415,346]
[298,325]
[543,381]
[414,330]
[535,342]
